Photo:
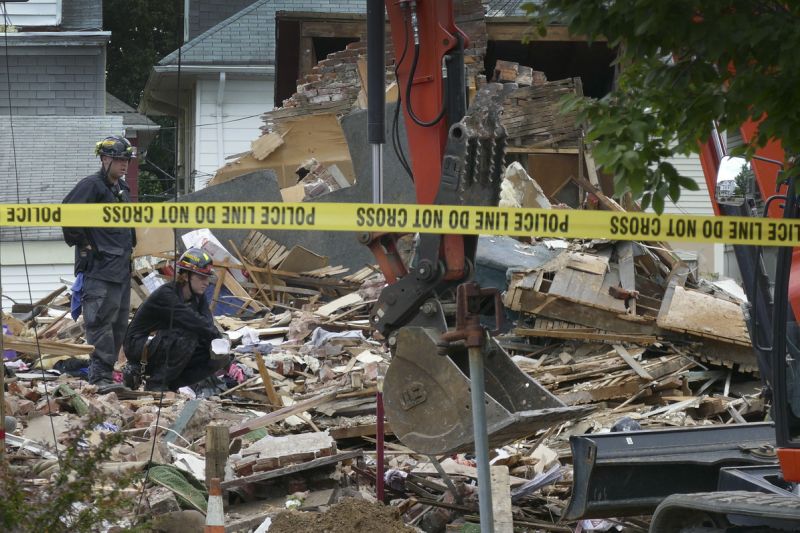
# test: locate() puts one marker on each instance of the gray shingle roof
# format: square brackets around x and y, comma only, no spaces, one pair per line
[130,117]
[248,37]
[506,8]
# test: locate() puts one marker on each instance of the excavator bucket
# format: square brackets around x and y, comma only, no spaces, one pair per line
[427,397]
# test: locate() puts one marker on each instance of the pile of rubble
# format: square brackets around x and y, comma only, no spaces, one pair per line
[291,428]
[292,423]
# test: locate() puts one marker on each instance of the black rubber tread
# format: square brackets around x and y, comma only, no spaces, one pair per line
[678,511]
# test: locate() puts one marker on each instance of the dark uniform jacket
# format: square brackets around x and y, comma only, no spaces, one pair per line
[166,309]
[110,259]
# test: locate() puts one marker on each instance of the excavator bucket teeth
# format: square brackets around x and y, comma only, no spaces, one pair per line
[427,397]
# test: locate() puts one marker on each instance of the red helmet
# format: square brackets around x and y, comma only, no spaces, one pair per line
[195,260]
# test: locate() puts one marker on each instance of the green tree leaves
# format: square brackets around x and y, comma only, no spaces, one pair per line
[685,64]
[142,33]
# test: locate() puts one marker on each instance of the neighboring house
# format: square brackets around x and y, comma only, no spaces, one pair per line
[227,79]
[50,120]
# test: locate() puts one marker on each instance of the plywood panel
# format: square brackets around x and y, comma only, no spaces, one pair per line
[317,136]
[705,316]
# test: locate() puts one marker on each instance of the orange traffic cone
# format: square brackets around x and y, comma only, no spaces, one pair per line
[215,514]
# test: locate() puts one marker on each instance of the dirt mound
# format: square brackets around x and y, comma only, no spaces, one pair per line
[347,516]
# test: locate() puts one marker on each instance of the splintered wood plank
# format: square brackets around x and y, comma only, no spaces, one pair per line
[591,288]
[29,345]
[592,264]
[599,394]
[281,414]
[501,499]
[705,316]
[238,291]
[339,303]
[585,334]
[362,274]
[269,387]
[633,363]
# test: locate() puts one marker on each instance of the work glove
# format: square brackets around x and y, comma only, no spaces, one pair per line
[84,260]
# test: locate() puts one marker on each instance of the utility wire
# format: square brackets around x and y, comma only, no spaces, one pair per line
[174,266]
[215,123]
[6,24]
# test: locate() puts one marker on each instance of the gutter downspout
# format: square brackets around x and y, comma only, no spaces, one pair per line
[220,125]
[186,21]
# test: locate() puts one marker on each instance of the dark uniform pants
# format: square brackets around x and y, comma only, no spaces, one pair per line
[175,358]
[106,308]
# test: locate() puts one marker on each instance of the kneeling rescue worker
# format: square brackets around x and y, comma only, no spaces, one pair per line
[168,342]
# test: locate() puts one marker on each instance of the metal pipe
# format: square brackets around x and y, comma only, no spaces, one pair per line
[376,92]
[186,21]
[477,388]
[377,173]
[379,429]
[376,135]
[220,120]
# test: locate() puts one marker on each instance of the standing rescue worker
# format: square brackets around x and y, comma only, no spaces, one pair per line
[103,261]
[168,342]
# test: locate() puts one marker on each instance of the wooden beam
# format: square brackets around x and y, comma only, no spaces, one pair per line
[269,297]
[29,345]
[583,335]
[273,396]
[520,29]
[217,445]
[218,286]
[366,430]
[633,363]
[501,499]
[281,414]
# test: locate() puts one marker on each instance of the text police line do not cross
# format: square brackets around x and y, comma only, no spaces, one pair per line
[401,218]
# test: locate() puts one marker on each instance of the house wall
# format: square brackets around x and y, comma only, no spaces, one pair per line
[55,81]
[48,262]
[46,175]
[242,98]
[81,15]
[691,202]
[34,13]
[710,258]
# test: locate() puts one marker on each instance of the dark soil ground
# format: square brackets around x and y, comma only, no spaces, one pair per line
[347,516]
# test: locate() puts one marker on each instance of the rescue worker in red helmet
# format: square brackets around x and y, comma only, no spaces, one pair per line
[168,343]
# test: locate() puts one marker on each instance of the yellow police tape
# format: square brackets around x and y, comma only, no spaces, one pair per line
[411,219]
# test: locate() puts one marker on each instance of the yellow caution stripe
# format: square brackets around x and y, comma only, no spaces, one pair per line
[398,218]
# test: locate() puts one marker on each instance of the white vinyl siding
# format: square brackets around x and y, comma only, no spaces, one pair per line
[48,262]
[241,98]
[690,202]
[707,258]
[33,13]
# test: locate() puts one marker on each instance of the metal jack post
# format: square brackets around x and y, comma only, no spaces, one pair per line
[470,298]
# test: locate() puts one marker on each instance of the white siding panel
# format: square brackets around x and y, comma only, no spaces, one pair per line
[690,202]
[44,279]
[34,13]
[48,262]
[243,103]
